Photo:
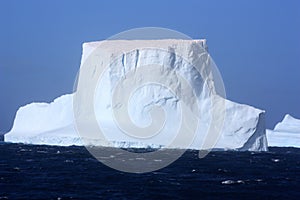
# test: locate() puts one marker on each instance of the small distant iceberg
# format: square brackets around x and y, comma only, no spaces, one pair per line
[286,133]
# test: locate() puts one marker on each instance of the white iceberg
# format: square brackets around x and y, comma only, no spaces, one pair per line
[286,133]
[54,123]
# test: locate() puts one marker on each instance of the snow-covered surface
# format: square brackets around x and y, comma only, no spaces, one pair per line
[53,123]
[286,133]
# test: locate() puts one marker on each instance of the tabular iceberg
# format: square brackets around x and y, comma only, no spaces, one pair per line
[54,123]
[286,133]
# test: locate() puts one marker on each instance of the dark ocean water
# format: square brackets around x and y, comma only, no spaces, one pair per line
[50,172]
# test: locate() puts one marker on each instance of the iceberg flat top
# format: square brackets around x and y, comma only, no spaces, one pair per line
[115,46]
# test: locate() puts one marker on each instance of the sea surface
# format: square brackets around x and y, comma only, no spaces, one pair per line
[52,172]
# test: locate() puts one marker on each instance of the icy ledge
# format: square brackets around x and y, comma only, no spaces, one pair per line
[286,133]
[53,124]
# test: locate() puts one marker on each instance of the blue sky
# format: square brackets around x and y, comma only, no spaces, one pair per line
[255,44]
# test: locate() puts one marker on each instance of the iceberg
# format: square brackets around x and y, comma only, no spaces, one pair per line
[286,133]
[55,123]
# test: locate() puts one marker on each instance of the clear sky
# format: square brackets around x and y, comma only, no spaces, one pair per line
[255,44]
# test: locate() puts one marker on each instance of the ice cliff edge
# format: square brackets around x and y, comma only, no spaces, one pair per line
[54,124]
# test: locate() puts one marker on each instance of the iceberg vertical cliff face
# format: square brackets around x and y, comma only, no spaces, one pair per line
[244,128]
[286,133]
[54,123]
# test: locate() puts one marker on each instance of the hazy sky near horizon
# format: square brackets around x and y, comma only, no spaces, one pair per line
[255,44]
